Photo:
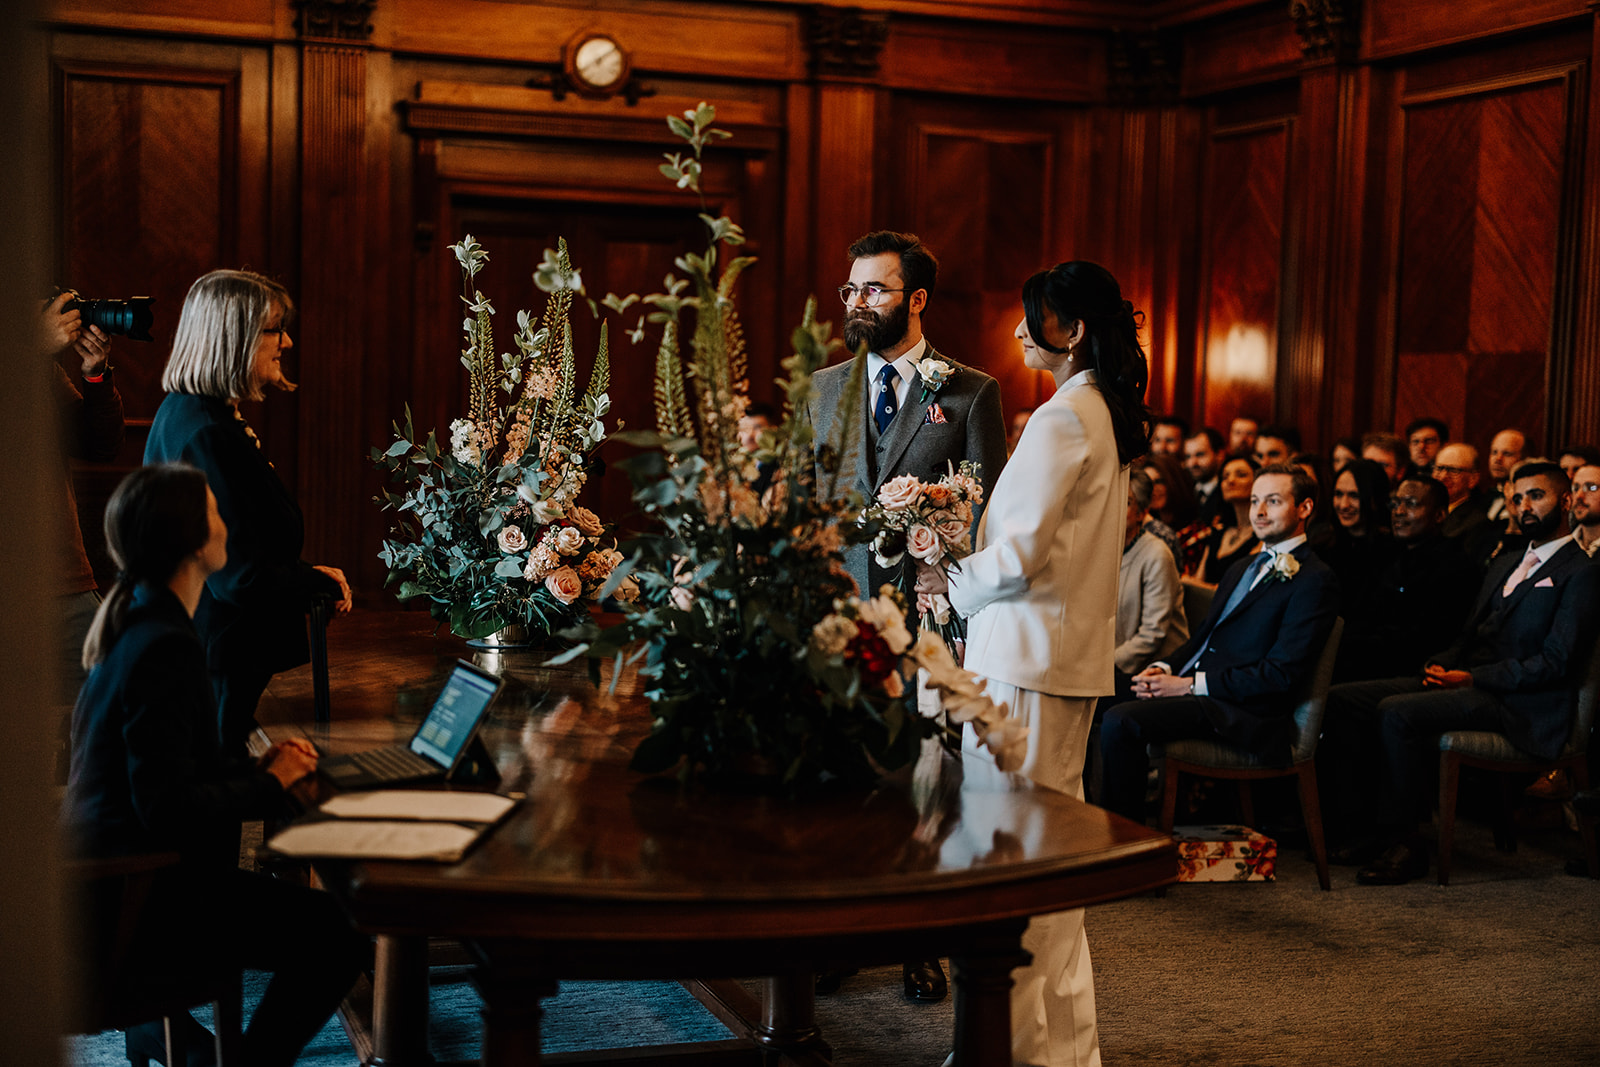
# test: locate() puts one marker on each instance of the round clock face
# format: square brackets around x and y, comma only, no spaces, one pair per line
[598,62]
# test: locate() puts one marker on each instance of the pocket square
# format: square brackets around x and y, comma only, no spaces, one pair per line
[935,416]
[1545,583]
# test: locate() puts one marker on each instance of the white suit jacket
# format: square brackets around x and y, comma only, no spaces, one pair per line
[1040,588]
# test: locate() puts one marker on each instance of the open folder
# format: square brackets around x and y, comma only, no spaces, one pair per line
[395,824]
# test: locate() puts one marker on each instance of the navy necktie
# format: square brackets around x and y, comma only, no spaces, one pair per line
[883,413]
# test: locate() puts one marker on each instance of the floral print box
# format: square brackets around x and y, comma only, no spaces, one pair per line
[1225,854]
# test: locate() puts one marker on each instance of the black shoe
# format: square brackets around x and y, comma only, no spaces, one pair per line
[1399,865]
[1358,854]
[925,982]
[192,1042]
[1578,867]
[827,982]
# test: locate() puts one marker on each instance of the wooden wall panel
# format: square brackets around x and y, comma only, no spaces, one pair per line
[1396,27]
[1243,227]
[993,62]
[1258,48]
[1483,184]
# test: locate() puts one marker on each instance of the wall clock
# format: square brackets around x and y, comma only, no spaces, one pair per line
[597,64]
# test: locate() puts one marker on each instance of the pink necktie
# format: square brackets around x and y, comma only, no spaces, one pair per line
[1529,561]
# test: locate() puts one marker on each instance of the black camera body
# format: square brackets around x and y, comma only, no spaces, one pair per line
[130,318]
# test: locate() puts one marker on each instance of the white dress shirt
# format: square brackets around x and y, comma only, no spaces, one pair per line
[905,366]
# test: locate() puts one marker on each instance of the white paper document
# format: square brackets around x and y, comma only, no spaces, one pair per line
[377,839]
[428,804]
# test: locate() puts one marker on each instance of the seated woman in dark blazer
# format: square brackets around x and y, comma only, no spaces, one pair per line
[228,347]
[148,776]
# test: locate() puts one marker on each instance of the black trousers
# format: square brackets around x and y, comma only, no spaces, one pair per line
[1128,729]
[216,921]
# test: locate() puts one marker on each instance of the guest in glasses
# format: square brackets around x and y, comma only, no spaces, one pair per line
[229,348]
[1586,508]
[923,412]
[148,777]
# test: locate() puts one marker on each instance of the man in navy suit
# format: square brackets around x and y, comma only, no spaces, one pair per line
[1232,680]
[1514,670]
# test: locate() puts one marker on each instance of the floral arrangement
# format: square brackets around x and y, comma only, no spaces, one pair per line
[761,659]
[489,530]
[933,524]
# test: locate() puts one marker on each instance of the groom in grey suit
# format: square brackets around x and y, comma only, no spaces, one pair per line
[909,425]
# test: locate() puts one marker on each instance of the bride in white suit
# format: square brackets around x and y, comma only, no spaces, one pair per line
[1040,593]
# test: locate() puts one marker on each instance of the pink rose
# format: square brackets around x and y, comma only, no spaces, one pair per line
[512,539]
[924,544]
[569,540]
[586,521]
[900,493]
[952,531]
[564,584]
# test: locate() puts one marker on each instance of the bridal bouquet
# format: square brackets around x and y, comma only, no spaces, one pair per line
[932,523]
[488,528]
[761,659]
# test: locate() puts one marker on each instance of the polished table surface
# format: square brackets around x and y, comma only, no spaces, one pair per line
[603,872]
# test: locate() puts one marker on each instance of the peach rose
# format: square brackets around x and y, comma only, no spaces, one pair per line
[587,521]
[900,493]
[924,544]
[564,584]
[569,540]
[939,495]
[953,531]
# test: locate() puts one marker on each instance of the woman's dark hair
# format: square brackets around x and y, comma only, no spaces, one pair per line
[1181,507]
[1085,291]
[155,519]
[1372,488]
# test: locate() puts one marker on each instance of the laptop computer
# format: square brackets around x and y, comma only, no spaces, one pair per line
[438,746]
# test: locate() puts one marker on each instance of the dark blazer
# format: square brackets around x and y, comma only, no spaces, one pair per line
[1256,657]
[252,614]
[1410,609]
[148,774]
[973,428]
[1530,648]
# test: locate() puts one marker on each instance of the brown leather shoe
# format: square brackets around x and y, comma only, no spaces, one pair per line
[925,982]
[1552,786]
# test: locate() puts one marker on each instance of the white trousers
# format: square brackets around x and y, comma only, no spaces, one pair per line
[1052,999]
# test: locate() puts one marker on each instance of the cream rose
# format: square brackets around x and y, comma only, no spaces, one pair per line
[587,521]
[923,543]
[569,541]
[900,493]
[512,539]
[564,584]
[832,634]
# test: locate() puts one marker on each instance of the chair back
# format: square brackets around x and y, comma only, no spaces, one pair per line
[1588,698]
[1196,603]
[1314,697]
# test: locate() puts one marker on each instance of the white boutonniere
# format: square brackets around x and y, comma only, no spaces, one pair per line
[934,372]
[1283,568]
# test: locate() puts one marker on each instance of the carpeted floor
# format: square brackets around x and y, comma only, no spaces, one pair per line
[1502,967]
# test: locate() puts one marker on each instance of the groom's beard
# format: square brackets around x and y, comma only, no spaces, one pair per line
[879,332]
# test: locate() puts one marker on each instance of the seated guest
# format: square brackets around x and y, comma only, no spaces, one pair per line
[1574,456]
[1224,545]
[1276,444]
[1344,450]
[1231,681]
[149,776]
[1456,466]
[1511,540]
[1202,461]
[1173,500]
[1416,599]
[1242,436]
[1167,433]
[1387,451]
[1513,669]
[1319,528]
[1360,545]
[1586,508]
[1505,452]
[1150,621]
[1424,438]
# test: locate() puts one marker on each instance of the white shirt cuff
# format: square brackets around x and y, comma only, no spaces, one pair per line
[1200,683]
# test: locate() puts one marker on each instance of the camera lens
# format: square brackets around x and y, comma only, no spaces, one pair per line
[131,318]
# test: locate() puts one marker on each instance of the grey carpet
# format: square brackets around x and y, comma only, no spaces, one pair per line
[1502,967]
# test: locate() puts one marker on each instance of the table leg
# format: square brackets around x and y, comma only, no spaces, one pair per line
[788,1013]
[982,979]
[400,1002]
[511,1012]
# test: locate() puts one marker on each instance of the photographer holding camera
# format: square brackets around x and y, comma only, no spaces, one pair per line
[89,416]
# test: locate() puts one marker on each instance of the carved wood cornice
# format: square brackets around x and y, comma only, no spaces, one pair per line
[1328,29]
[1144,66]
[334,20]
[845,42]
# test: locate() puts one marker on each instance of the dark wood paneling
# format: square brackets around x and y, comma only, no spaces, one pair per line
[1395,27]
[1261,47]
[1243,225]
[957,58]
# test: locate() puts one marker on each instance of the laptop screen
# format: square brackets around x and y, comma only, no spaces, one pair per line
[455,715]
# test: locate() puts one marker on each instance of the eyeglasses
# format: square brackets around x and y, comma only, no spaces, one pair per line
[281,331]
[1586,487]
[871,295]
[1439,468]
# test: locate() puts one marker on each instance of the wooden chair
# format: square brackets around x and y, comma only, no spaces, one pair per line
[1494,752]
[1213,759]
[116,992]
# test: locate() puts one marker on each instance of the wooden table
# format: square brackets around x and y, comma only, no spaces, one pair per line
[604,873]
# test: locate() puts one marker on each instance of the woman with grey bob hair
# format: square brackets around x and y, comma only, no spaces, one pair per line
[228,348]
